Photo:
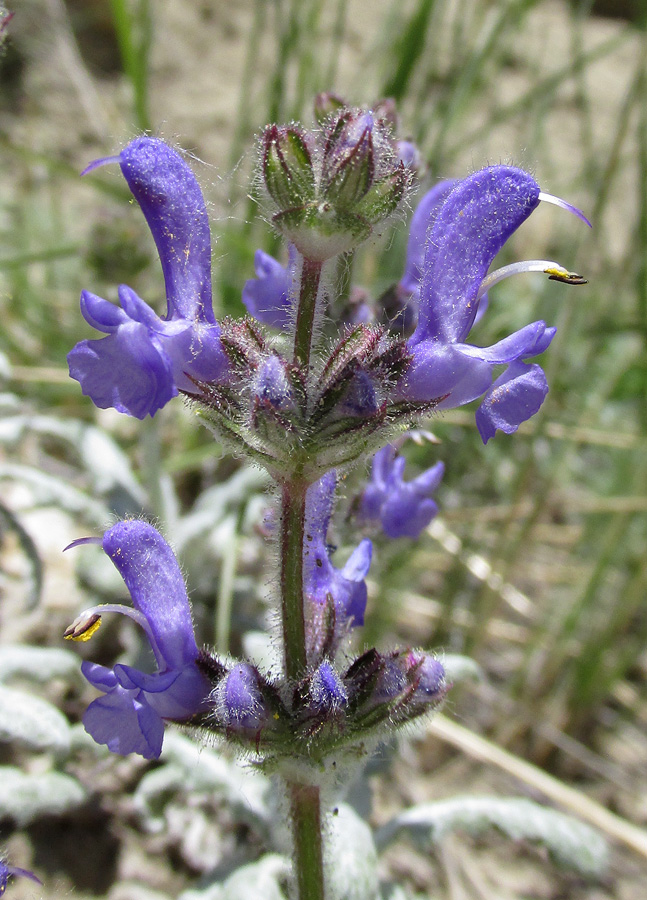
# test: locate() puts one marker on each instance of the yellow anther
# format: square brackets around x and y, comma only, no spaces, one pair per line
[82,628]
[563,275]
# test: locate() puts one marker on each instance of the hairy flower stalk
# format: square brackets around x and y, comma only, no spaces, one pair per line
[356,374]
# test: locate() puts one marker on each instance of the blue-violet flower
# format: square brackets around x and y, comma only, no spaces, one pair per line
[475,220]
[403,508]
[340,592]
[129,718]
[144,360]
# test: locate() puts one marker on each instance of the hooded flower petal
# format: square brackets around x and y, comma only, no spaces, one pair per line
[476,219]
[170,198]
[129,718]
[145,359]
[468,229]
[421,222]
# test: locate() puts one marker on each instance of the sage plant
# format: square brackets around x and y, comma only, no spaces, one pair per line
[317,378]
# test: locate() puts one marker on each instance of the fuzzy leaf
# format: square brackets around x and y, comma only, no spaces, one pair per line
[40,664]
[190,767]
[572,843]
[48,490]
[99,454]
[25,798]
[33,722]
[352,857]
[260,880]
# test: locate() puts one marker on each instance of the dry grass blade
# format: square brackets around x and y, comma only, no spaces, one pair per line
[574,801]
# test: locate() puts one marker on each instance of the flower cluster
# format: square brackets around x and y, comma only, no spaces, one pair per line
[308,384]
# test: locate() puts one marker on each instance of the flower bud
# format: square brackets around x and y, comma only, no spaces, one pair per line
[397,687]
[327,690]
[287,167]
[239,700]
[272,386]
[385,195]
[349,163]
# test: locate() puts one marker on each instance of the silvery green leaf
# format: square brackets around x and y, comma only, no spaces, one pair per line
[216,503]
[5,366]
[571,842]
[25,798]
[11,522]
[40,664]
[190,767]
[100,456]
[397,892]
[351,857]
[461,668]
[49,490]
[261,880]
[33,722]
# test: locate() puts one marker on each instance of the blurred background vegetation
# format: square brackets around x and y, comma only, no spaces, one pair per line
[537,565]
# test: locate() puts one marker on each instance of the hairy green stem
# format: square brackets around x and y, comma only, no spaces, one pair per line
[293,508]
[305,805]
[310,278]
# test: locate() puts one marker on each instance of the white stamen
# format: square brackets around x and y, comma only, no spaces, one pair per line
[546,266]
[557,201]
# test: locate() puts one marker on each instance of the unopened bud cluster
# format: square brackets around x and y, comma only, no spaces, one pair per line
[270,406]
[331,186]
[328,709]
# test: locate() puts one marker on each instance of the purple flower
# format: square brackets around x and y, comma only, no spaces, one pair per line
[475,219]
[6,872]
[403,508]
[267,297]
[336,596]
[129,718]
[144,360]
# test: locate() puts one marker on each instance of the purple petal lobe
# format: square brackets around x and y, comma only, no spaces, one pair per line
[515,396]
[172,202]
[125,370]
[528,341]
[126,723]
[474,222]
[402,508]
[442,370]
